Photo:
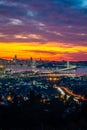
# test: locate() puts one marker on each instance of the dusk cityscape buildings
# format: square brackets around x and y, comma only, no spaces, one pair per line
[40,86]
[40,90]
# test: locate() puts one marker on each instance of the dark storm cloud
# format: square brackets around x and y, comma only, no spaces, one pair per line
[43,52]
[54,20]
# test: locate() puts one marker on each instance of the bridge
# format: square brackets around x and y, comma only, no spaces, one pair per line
[69,70]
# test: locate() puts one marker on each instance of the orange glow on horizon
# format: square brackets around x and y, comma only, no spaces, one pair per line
[47,51]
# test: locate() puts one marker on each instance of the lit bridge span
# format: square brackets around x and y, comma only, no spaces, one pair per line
[69,71]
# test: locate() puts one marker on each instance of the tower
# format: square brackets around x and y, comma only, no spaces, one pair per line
[68,64]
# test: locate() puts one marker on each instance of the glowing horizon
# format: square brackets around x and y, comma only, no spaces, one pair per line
[47,51]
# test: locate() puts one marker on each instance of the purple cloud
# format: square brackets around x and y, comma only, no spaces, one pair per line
[62,21]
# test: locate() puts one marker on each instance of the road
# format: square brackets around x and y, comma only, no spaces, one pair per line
[73,94]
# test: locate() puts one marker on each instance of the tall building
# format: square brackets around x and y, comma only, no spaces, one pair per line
[15,59]
[32,63]
[31,60]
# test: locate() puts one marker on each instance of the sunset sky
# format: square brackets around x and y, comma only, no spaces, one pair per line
[47,29]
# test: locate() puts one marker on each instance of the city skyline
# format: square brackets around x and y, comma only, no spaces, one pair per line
[47,29]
